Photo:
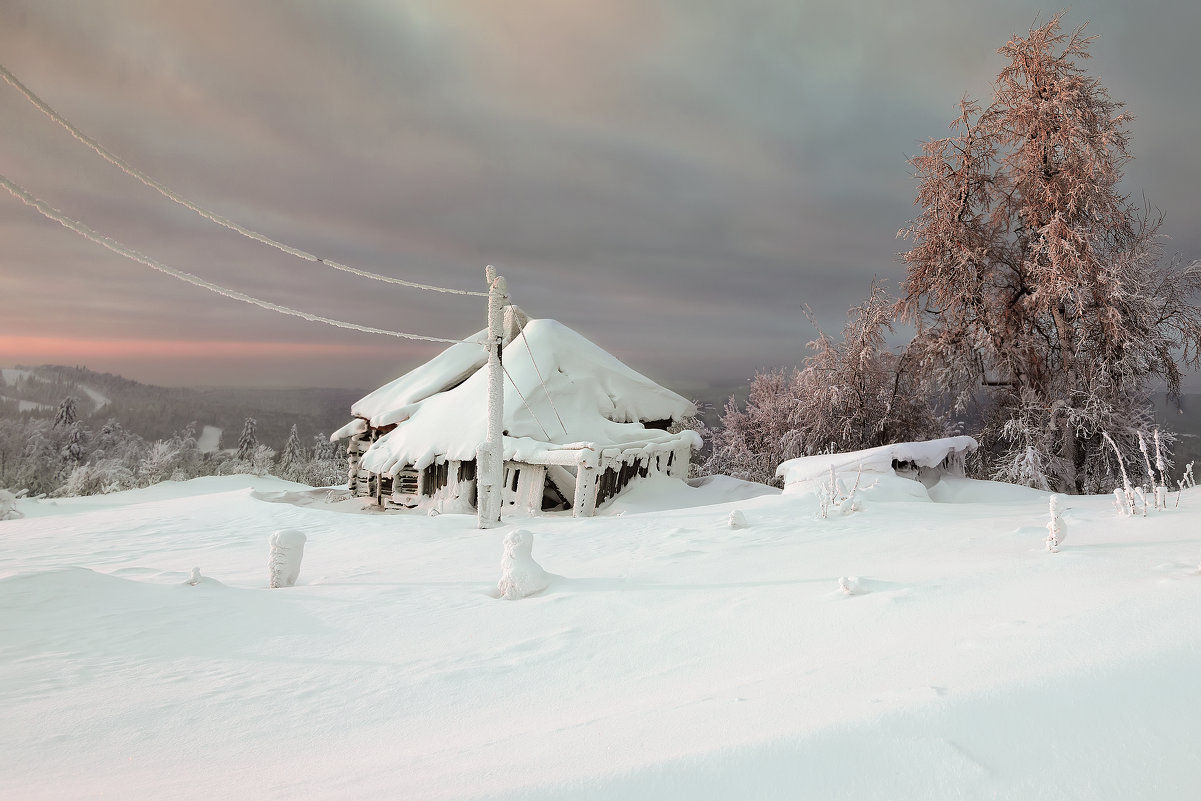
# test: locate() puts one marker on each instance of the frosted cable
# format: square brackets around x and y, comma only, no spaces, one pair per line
[137,174]
[116,247]
[525,403]
[538,370]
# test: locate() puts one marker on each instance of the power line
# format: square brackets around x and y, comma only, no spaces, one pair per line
[116,247]
[133,172]
[526,403]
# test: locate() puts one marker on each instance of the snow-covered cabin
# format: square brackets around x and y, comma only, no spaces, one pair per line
[578,425]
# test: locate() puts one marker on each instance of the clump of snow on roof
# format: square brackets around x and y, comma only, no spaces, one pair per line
[589,398]
[800,472]
[448,368]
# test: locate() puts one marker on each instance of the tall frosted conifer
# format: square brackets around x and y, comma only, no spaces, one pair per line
[249,440]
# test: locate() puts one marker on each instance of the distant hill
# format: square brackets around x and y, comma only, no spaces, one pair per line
[156,412]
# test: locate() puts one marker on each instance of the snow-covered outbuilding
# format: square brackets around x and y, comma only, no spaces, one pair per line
[925,462]
[578,425]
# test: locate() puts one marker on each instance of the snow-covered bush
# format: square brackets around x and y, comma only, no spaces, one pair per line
[287,549]
[101,478]
[262,460]
[737,519]
[850,395]
[158,463]
[833,494]
[8,506]
[520,575]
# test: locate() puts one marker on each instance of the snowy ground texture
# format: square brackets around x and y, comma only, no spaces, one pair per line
[670,657]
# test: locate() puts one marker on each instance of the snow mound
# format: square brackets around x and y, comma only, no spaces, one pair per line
[520,575]
[929,454]
[287,550]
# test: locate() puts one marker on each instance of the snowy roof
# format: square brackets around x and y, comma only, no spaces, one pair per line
[930,453]
[560,390]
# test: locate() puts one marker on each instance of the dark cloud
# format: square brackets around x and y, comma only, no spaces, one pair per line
[683,173]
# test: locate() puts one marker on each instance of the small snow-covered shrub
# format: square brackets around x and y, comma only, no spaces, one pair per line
[737,519]
[835,494]
[8,506]
[520,575]
[287,549]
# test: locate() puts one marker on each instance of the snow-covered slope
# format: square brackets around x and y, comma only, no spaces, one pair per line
[671,656]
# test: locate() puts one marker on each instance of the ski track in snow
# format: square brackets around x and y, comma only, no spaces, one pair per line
[209,439]
[671,656]
[98,401]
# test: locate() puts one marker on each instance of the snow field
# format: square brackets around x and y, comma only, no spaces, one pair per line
[670,656]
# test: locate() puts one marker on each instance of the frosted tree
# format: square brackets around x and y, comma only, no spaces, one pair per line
[262,459]
[1039,293]
[754,440]
[188,457]
[326,467]
[849,395]
[159,462]
[248,441]
[66,414]
[857,393]
[291,461]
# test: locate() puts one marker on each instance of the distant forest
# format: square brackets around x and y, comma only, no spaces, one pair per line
[70,431]
[155,413]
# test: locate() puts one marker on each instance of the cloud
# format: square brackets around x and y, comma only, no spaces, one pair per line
[646,171]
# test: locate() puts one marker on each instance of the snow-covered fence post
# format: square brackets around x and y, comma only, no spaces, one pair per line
[1056,529]
[1153,487]
[490,456]
[1162,466]
[287,549]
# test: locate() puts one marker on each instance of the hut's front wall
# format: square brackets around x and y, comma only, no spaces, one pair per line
[450,484]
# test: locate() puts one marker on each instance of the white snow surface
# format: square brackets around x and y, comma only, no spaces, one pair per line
[907,651]
[99,401]
[209,439]
[560,390]
[929,453]
[12,374]
[27,405]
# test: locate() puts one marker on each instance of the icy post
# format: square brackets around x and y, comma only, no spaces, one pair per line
[1161,489]
[1158,499]
[520,575]
[491,455]
[1056,529]
[287,549]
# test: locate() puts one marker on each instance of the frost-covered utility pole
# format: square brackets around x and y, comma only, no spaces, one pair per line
[490,456]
